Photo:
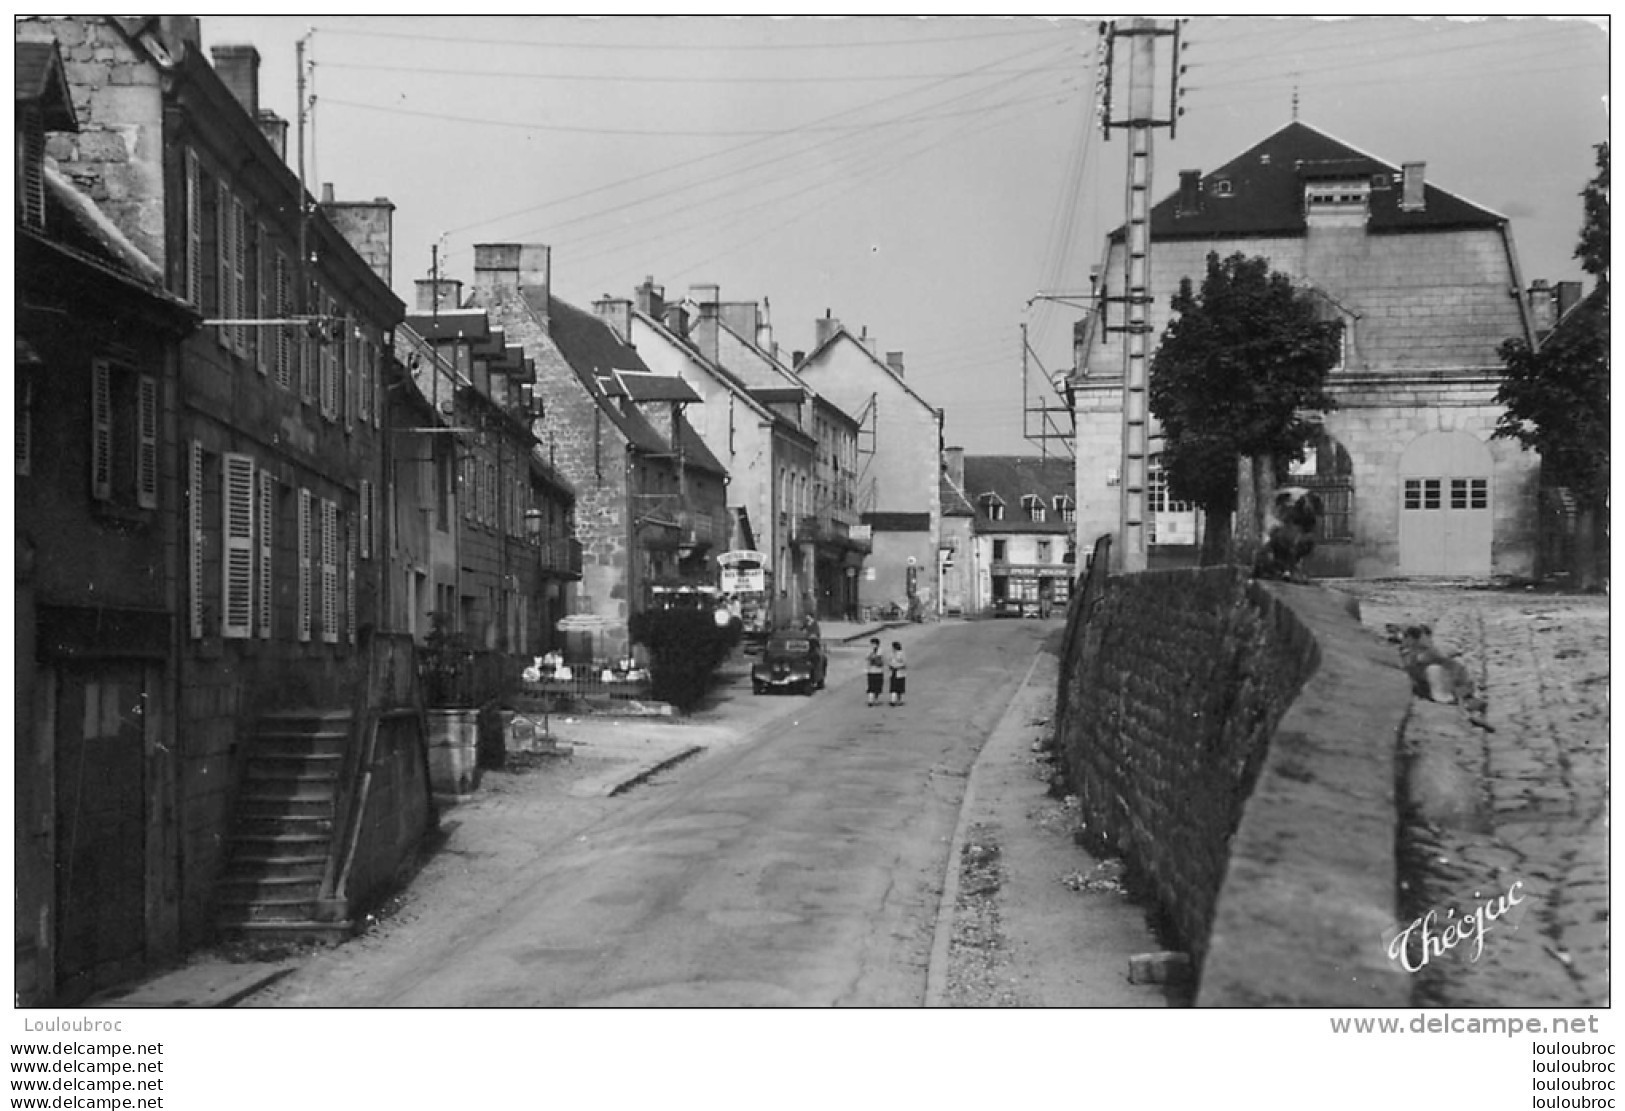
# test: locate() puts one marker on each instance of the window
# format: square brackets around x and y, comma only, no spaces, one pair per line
[1034,505]
[306,542]
[123,436]
[349,589]
[286,352]
[999,548]
[1423,493]
[308,368]
[1223,188]
[194,230]
[1065,509]
[993,507]
[1469,493]
[225,263]
[1327,197]
[238,549]
[1043,551]
[366,518]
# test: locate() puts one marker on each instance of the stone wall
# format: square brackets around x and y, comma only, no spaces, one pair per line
[1180,678]
[1234,742]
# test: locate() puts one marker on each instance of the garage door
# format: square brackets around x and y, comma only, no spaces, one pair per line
[1446,506]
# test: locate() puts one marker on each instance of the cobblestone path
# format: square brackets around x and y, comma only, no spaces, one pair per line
[1527,803]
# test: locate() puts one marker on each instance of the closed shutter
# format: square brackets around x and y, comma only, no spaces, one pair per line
[194,539]
[352,358]
[349,589]
[369,380]
[267,508]
[264,289]
[330,572]
[146,449]
[307,346]
[284,309]
[366,518]
[224,262]
[237,547]
[31,193]
[101,430]
[306,544]
[25,423]
[194,231]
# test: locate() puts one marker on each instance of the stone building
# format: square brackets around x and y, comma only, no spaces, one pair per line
[483,532]
[899,457]
[98,506]
[1022,554]
[270,435]
[1427,287]
[647,489]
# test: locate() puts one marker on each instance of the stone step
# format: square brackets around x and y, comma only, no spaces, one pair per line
[242,911]
[289,931]
[275,806]
[252,867]
[286,743]
[269,893]
[296,773]
[301,721]
[265,823]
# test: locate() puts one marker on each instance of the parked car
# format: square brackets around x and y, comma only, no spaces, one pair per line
[792,661]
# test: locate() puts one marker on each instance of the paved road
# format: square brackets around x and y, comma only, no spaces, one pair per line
[1531,803]
[804,869]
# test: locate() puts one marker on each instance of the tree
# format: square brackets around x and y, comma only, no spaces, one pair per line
[1235,377]
[1556,394]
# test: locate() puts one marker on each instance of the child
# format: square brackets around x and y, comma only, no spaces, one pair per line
[899,672]
[876,666]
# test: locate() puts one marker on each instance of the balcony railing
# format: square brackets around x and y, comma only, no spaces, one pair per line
[825,528]
[562,556]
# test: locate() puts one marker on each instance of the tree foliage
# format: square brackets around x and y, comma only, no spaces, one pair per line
[686,647]
[1236,374]
[1556,394]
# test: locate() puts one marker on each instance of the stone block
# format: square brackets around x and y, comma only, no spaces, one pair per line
[1164,967]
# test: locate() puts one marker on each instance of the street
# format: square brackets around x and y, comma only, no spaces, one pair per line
[803,867]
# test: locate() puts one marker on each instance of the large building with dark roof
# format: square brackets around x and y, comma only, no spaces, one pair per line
[1426,285]
[1020,558]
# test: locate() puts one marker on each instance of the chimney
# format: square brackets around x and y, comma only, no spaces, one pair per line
[1568,295]
[275,130]
[824,328]
[1190,193]
[867,340]
[796,359]
[953,465]
[676,320]
[651,298]
[368,226]
[513,266]
[449,291]
[1412,198]
[1542,307]
[705,295]
[239,68]
[741,317]
[894,362]
[617,313]
[179,34]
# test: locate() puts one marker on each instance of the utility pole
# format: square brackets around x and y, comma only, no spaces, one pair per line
[1140,35]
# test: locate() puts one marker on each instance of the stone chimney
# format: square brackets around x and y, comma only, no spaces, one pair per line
[797,358]
[368,226]
[823,328]
[1190,193]
[1569,294]
[239,68]
[617,313]
[651,298]
[676,320]
[1542,306]
[869,342]
[894,362]
[450,292]
[275,130]
[1413,198]
[742,317]
[513,267]
[953,465]
[705,295]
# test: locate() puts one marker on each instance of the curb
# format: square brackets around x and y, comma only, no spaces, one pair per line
[936,972]
[180,990]
[614,783]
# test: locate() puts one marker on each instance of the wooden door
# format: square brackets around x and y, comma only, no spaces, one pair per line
[1446,506]
[100,827]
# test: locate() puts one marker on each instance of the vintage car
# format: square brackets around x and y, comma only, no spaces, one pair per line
[792,661]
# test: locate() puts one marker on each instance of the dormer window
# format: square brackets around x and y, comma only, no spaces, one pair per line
[1034,505]
[1340,197]
[993,507]
[1064,508]
[1223,188]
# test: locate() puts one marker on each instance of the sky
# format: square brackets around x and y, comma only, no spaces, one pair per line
[937,181]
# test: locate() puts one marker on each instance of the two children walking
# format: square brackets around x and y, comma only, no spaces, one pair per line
[878,664]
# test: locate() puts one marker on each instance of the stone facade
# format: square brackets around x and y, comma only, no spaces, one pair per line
[1425,296]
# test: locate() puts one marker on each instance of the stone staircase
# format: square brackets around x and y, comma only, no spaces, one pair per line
[283,832]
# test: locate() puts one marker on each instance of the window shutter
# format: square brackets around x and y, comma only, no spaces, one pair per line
[330,572]
[194,231]
[31,193]
[146,458]
[351,359]
[225,260]
[101,430]
[366,518]
[239,276]
[349,590]
[237,547]
[259,337]
[194,532]
[307,544]
[307,362]
[267,508]
[369,381]
[284,308]
[25,423]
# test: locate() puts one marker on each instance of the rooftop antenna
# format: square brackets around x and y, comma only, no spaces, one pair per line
[1294,100]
